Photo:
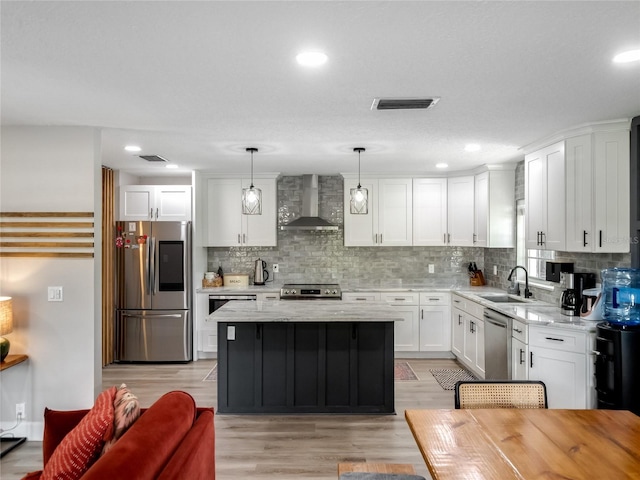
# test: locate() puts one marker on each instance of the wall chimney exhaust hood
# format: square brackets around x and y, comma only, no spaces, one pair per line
[309,219]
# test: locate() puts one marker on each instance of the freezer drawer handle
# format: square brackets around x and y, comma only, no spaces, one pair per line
[168,315]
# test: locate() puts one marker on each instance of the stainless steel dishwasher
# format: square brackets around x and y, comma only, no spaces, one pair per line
[497,345]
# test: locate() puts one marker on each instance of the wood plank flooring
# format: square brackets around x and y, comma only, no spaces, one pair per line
[283,447]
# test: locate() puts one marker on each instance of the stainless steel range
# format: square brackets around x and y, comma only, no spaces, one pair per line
[310,291]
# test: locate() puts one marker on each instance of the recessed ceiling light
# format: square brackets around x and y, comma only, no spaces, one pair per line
[627,57]
[311,59]
[442,165]
[172,165]
[472,147]
[132,148]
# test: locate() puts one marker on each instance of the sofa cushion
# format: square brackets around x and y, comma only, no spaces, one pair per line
[144,450]
[80,447]
[127,410]
[195,457]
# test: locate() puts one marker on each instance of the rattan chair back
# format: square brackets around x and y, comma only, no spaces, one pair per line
[500,394]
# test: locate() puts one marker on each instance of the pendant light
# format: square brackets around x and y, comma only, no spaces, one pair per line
[359,196]
[252,196]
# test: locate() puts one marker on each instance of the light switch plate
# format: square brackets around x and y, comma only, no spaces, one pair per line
[432,268]
[495,269]
[54,294]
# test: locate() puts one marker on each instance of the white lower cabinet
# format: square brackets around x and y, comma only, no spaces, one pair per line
[407,332]
[457,331]
[427,318]
[558,357]
[519,360]
[435,322]
[468,334]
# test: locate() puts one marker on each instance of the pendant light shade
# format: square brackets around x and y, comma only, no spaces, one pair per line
[252,196]
[359,196]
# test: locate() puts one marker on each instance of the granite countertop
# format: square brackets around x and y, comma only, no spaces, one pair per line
[531,312]
[306,311]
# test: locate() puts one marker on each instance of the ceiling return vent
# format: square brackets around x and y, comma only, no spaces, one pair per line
[404,103]
[153,158]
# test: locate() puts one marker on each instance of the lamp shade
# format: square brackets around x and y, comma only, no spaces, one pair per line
[6,315]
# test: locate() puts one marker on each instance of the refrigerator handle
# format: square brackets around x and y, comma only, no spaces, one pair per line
[152,266]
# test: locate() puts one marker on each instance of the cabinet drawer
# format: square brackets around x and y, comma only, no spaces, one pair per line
[558,339]
[400,298]
[361,297]
[434,298]
[267,297]
[519,330]
[459,302]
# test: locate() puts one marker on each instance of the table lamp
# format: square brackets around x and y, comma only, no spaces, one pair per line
[6,325]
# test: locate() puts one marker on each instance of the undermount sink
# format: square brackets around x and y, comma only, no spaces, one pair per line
[504,299]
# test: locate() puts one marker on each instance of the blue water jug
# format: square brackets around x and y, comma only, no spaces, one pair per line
[621,291]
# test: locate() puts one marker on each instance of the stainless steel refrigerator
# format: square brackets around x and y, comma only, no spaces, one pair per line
[153,292]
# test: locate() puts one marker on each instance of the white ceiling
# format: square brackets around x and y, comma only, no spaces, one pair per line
[198,82]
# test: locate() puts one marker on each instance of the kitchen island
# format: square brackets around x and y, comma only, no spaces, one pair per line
[297,356]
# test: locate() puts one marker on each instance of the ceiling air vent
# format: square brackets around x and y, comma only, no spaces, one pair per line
[403,103]
[153,158]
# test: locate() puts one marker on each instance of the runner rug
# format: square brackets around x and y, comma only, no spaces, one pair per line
[402,371]
[447,377]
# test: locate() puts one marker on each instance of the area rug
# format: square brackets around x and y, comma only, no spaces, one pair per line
[402,372]
[447,377]
[212,376]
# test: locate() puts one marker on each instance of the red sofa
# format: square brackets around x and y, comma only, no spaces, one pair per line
[172,439]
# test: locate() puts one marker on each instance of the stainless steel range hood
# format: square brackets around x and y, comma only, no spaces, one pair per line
[309,219]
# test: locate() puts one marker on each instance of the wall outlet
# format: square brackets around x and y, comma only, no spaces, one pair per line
[20,410]
[276,268]
[495,269]
[432,268]
[54,294]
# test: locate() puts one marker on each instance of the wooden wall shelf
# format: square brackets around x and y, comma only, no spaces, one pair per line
[12,360]
[38,234]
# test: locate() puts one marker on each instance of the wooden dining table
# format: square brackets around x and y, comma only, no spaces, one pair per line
[506,444]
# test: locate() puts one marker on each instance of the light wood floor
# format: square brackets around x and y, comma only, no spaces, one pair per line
[283,447]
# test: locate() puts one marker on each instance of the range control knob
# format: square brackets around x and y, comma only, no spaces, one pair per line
[286,292]
[293,292]
[335,292]
[326,292]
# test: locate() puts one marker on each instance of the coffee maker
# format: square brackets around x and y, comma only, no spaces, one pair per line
[575,283]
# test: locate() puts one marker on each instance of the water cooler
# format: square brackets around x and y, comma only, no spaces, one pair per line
[618,341]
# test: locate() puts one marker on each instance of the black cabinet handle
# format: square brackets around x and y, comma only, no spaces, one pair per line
[459,319]
[521,356]
[584,238]
[517,330]
[554,339]
[471,325]
[422,314]
[530,359]
[600,238]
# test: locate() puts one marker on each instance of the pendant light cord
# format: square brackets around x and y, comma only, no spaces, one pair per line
[251,149]
[359,150]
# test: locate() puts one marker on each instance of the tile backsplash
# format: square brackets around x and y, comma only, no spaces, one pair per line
[320,256]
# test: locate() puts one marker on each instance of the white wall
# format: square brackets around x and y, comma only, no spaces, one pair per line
[51,169]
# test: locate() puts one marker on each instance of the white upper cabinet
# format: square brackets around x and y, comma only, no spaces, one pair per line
[494,207]
[388,222]
[460,193]
[429,211]
[597,189]
[545,198]
[611,189]
[226,226]
[155,202]
[579,169]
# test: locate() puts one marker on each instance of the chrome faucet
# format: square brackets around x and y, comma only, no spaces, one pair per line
[527,292]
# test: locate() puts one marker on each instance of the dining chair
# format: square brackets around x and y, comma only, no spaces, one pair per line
[500,394]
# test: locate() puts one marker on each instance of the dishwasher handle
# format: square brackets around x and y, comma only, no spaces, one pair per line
[496,318]
[493,322]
